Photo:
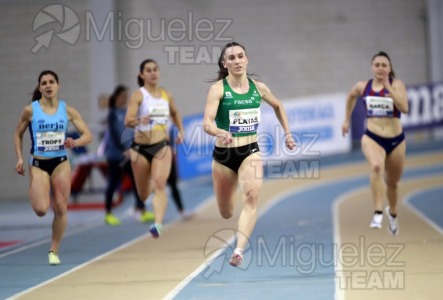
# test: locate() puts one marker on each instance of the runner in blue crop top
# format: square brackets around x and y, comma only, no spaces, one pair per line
[48,131]
[383,143]
[49,170]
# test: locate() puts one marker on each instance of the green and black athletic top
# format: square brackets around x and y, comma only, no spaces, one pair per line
[239,113]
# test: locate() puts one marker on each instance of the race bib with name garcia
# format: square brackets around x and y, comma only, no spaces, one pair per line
[244,120]
[50,141]
[379,106]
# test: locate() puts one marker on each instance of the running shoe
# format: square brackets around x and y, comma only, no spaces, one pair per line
[53,258]
[155,230]
[236,258]
[376,221]
[146,217]
[112,220]
[186,215]
[393,225]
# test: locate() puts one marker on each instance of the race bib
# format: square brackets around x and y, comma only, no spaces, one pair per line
[50,141]
[244,120]
[379,106]
[159,114]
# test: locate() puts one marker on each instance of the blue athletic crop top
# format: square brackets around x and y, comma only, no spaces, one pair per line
[48,132]
[378,104]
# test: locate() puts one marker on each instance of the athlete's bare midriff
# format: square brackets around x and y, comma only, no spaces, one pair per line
[150,137]
[384,127]
[237,141]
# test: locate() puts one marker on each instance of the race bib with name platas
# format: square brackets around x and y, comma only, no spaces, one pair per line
[50,141]
[379,106]
[244,120]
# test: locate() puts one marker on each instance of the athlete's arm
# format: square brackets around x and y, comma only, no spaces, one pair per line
[215,94]
[131,119]
[176,118]
[397,91]
[351,100]
[85,134]
[279,110]
[23,123]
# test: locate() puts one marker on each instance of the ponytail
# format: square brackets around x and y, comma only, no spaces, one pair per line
[36,95]
[140,81]
[222,71]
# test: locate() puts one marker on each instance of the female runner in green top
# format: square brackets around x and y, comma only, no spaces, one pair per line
[232,114]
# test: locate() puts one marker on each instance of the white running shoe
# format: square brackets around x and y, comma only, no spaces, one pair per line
[236,258]
[376,221]
[393,225]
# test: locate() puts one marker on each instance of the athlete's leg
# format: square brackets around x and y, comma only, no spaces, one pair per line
[139,204]
[375,155]
[39,190]
[114,175]
[225,185]
[393,170]
[250,177]
[161,166]
[61,187]
[142,172]
[172,182]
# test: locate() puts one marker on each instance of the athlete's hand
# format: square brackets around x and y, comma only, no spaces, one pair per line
[19,168]
[180,138]
[127,153]
[69,143]
[385,81]
[290,142]
[144,120]
[345,128]
[226,137]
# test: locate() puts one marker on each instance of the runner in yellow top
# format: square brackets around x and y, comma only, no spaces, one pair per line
[148,112]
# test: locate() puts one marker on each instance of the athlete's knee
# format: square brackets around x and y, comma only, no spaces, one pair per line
[391,184]
[40,211]
[251,197]
[377,167]
[226,213]
[143,194]
[144,191]
[159,183]
[60,207]
[40,208]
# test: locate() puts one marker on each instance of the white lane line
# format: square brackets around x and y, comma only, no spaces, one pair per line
[199,208]
[77,268]
[74,231]
[417,212]
[268,206]
[339,292]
